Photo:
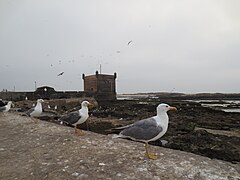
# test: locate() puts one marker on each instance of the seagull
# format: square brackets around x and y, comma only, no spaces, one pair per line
[129,42]
[37,110]
[149,129]
[77,117]
[6,108]
[60,74]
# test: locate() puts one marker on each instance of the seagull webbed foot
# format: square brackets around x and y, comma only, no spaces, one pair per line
[35,120]
[78,132]
[152,156]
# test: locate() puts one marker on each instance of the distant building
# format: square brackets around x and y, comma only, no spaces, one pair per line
[103,86]
[44,92]
[100,86]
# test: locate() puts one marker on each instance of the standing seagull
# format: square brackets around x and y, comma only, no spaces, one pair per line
[6,108]
[149,129]
[77,117]
[37,110]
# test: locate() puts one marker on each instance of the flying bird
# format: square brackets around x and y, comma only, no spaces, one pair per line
[77,117]
[60,74]
[6,108]
[129,42]
[149,129]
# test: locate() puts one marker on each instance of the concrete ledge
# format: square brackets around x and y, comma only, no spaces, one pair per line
[51,151]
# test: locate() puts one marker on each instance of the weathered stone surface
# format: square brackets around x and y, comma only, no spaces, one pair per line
[50,151]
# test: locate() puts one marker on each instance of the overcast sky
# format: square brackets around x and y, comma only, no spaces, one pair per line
[185,46]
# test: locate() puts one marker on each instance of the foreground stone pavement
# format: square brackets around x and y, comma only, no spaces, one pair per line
[50,151]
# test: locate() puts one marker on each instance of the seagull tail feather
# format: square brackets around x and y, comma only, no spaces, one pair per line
[122,127]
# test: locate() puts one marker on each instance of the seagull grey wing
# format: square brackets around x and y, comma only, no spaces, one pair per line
[2,108]
[145,129]
[28,112]
[2,103]
[71,118]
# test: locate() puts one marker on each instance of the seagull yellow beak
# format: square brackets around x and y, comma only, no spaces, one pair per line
[90,105]
[173,108]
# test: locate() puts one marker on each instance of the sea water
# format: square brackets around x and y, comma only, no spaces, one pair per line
[223,105]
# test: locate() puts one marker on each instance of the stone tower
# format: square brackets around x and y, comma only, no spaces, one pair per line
[101,86]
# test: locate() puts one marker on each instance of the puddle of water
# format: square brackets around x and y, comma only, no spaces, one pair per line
[231,110]
[221,105]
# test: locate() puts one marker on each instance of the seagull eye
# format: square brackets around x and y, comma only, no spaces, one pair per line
[166,106]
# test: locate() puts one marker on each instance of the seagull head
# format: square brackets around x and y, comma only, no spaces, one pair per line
[164,108]
[40,100]
[10,103]
[86,104]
